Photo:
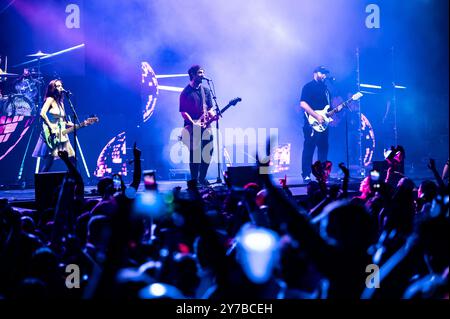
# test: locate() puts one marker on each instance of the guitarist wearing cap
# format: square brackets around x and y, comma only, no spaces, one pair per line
[195,107]
[315,96]
[316,102]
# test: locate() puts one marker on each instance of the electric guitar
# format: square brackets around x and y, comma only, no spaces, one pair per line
[203,121]
[327,115]
[54,139]
[206,119]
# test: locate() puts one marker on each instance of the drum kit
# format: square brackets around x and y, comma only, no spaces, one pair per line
[20,94]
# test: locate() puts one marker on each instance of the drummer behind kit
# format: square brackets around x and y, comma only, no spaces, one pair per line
[25,98]
[28,85]
[6,100]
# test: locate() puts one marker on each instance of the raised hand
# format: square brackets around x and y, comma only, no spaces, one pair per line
[327,168]
[283,181]
[344,169]
[317,169]
[432,164]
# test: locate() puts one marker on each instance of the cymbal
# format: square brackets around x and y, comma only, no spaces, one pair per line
[32,74]
[6,74]
[38,54]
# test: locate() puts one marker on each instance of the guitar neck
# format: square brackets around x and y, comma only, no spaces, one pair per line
[231,103]
[225,108]
[338,108]
[221,111]
[71,129]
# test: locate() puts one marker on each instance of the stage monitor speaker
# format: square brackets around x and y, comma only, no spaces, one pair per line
[241,175]
[46,189]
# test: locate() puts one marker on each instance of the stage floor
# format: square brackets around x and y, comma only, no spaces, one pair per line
[18,196]
[24,198]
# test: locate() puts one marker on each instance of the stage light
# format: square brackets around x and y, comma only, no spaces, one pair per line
[150,88]
[112,157]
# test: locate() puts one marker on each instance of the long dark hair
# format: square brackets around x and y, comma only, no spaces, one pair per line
[53,92]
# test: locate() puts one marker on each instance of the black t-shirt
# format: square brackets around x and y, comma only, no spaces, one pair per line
[191,102]
[315,94]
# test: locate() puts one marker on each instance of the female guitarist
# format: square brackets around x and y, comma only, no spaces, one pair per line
[54,120]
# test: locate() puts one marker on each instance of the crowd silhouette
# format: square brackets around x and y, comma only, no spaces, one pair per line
[257,242]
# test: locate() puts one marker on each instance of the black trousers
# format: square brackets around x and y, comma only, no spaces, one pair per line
[200,153]
[312,140]
[47,163]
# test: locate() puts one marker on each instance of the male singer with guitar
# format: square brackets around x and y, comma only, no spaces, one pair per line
[315,96]
[195,108]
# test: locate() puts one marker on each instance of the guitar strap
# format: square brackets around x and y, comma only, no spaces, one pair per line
[61,111]
[327,94]
[306,119]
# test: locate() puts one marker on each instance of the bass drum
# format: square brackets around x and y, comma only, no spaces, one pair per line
[27,87]
[18,105]
[3,101]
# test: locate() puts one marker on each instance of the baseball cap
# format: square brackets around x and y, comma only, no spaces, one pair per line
[321,69]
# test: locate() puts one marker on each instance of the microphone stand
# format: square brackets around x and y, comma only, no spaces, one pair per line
[361,168]
[75,123]
[346,140]
[34,123]
[217,110]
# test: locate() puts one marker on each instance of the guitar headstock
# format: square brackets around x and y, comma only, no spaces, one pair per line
[235,101]
[91,120]
[357,96]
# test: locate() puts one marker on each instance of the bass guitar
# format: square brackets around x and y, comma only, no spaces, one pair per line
[54,139]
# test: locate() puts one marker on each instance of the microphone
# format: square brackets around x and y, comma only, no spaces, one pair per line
[331,78]
[67,92]
[206,78]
